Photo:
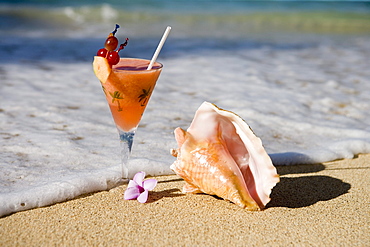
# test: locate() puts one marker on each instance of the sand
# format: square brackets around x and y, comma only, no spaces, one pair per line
[313,205]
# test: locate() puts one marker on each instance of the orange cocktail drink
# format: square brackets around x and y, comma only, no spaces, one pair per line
[128,84]
[128,89]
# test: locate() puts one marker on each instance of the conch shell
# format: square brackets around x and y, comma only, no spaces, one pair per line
[220,155]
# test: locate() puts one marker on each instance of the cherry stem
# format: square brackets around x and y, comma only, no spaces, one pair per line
[115,30]
[122,46]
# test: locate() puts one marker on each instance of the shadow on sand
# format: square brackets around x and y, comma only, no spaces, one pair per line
[155,196]
[307,190]
[297,192]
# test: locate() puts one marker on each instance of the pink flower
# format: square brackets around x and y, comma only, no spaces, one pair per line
[138,188]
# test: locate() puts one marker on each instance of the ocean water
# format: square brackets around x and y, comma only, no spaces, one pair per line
[297,72]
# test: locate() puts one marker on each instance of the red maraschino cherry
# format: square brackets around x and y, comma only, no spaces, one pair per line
[110,45]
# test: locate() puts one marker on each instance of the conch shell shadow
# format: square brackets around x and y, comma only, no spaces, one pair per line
[305,191]
[294,163]
[300,169]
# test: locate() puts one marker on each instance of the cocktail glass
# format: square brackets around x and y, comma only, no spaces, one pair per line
[128,88]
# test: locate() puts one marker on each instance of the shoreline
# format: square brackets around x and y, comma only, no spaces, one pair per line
[321,204]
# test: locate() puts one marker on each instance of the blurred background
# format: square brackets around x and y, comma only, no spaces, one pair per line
[72,30]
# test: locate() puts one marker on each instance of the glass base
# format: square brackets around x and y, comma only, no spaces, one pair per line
[127,139]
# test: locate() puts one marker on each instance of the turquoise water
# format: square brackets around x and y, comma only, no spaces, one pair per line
[71,30]
[196,18]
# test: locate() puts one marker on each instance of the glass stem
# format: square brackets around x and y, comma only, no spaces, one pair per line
[126,140]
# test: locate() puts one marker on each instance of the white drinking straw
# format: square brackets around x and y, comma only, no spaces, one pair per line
[158,50]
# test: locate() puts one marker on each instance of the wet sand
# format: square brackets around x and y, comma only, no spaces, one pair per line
[313,205]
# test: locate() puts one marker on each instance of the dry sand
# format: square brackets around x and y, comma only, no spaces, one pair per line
[313,205]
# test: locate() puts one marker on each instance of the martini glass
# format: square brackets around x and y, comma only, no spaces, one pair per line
[128,89]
